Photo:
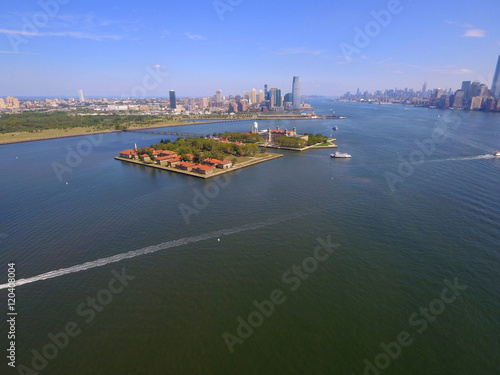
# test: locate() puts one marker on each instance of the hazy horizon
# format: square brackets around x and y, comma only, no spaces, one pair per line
[54,48]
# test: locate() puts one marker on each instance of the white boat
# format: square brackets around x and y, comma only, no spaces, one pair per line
[496,153]
[335,128]
[341,155]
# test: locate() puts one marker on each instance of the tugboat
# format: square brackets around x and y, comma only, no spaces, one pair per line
[344,155]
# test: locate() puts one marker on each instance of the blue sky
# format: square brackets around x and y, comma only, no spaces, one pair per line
[196,47]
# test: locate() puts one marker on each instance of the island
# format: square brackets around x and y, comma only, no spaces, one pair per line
[212,155]
[201,157]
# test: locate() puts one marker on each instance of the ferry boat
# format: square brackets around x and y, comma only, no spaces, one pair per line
[340,155]
[496,153]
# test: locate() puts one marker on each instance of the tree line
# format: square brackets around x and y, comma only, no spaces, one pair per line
[202,148]
[36,121]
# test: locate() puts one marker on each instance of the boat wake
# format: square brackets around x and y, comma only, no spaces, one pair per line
[463,158]
[153,249]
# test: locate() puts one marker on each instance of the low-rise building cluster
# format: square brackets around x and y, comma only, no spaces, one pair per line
[173,160]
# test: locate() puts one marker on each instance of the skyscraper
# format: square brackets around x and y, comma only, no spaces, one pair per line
[458,101]
[474,89]
[173,101]
[11,102]
[254,96]
[278,99]
[261,96]
[80,94]
[266,94]
[495,88]
[296,92]
[424,89]
[466,90]
[218,96]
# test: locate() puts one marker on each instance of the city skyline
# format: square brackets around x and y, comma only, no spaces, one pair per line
[56,47]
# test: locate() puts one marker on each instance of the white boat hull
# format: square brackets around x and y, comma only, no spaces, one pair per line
[341,155]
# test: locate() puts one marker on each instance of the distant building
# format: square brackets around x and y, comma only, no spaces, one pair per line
[424,90]
[466,90]
[484,90]
[218,96]
[443,102]
[274,97]
[254,96]
[476,103]
[261,96]
[495,87]
[242,106]
[80,95]
[11,102]
[233,107]
[173,100]
[278,102]
[474,89]
[296,92]
[458,100]
[203,103]
[2,103]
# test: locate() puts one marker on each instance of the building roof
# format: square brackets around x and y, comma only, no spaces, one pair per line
[203,167]
[212,161]
[164,157]
[129,152]
[186,164]
[167,152]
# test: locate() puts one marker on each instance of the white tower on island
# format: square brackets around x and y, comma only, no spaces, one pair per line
[255,128]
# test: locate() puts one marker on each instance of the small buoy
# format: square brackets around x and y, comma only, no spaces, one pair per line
[218,239]
[66,182]
[17,157]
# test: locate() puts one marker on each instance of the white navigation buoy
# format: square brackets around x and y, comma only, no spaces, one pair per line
[66,182]
[218,239]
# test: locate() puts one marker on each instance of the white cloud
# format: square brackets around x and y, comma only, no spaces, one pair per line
[463,71]
[194,36]
[72,34]
[475,33]
[297,50]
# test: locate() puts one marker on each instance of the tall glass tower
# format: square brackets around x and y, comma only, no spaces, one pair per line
[173,104]
[296,92]
[495,88]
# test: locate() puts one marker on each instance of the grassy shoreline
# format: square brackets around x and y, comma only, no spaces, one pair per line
[47,134]
[19,137]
